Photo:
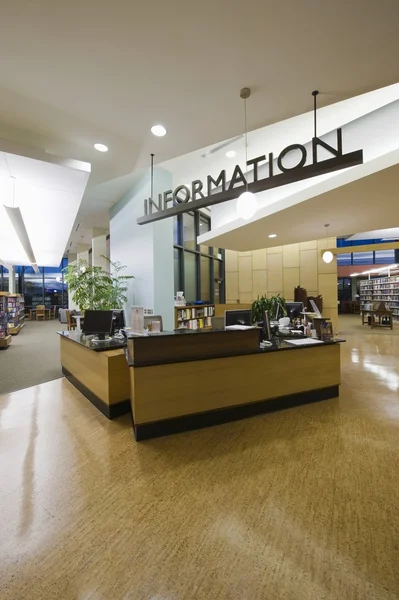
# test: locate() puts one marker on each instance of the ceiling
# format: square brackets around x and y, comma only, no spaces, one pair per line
[48,194]
[348,208]
[74,73]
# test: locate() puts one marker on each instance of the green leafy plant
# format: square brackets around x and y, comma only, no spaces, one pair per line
[96,289]
[263,304]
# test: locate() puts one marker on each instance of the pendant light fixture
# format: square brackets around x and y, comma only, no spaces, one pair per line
[246,204]
[327,255]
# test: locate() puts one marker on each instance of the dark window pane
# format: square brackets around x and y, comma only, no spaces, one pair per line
[204,227]
[386,257]
[363,258]
[33,287]
[344,259]
[205,279]
[176,232]
[189,231]
[190,285]
[177,270]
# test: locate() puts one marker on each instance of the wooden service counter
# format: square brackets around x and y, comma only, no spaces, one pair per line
[190,379]
[98,370]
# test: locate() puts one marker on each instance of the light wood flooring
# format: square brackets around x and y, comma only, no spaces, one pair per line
[302,504]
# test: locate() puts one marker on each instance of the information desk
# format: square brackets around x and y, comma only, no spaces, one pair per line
[98,370]
[190,379]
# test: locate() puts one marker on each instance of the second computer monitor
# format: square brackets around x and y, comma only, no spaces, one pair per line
[98,322]
[294,309]
[237,317]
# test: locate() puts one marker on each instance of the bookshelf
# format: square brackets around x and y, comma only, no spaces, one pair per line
[5,337]
[385,289]
[194,316]
[16,313]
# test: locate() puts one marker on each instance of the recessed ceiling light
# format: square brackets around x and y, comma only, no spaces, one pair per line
[101,147]
[231,153]
[158,130]
[272,235]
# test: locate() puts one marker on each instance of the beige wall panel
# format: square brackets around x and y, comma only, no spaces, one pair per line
[259,259]
[308,269]
[231,260]
[327,267]
[332,314]
[290,281]
[328,289]
[275,272]
[308,245]
[246,297]
[310,293]
[259,283]
[231,287]
[291,255]
[246,253]
[245,274]
[274,250]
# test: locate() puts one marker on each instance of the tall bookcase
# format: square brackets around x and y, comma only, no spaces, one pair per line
[194,316]
[385,289]
[16,313]
[5,337]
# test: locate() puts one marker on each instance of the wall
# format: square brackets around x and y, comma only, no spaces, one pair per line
[279,270]
[146,250]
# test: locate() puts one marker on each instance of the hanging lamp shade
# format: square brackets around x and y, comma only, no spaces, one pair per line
[247,205]
[328,256]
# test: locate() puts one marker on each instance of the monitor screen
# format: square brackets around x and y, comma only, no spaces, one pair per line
[98,322]
[237,317]
[118,320]
[294,309]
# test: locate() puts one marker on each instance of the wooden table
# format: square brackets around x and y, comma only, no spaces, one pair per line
[377,313]
[33,310]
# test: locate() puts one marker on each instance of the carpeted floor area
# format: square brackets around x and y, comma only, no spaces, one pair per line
[32,358]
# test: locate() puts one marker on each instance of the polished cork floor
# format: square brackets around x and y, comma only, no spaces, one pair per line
[302,504]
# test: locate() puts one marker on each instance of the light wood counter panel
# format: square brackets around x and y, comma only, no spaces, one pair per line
[105,375]
[167,391]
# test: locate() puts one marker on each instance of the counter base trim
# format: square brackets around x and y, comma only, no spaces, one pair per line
[111,411]
[147,431]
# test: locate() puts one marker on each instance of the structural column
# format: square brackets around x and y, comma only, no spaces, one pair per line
[99,249]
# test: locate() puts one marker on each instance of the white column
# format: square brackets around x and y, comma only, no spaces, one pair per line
[99,249]
[83,251]
[147,250]
[71,303]
[11,280]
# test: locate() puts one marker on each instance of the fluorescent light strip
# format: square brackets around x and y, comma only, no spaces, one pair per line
[370,271]
[15,216]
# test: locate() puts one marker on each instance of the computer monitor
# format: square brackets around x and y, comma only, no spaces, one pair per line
[237,317]
[98,322]
[118,320]
[294,309]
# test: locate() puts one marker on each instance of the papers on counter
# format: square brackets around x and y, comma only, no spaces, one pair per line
[240,327]
[304,342]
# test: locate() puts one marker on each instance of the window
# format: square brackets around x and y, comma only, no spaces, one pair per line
[344,259]
[199,270]
[363,258]
[190,283]
[384,257]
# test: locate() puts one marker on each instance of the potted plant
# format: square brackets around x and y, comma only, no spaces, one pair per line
[263,304]
[94,288]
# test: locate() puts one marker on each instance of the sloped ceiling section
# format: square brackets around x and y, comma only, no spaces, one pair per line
[374,127]
[48,192]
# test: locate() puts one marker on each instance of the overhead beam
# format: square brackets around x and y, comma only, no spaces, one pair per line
[363,248]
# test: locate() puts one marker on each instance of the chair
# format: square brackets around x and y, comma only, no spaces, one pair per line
[151,318]
[70,321]
[53,312]
[40,312]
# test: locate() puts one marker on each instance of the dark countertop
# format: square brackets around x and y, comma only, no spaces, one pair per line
[279,344]
[87,341]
